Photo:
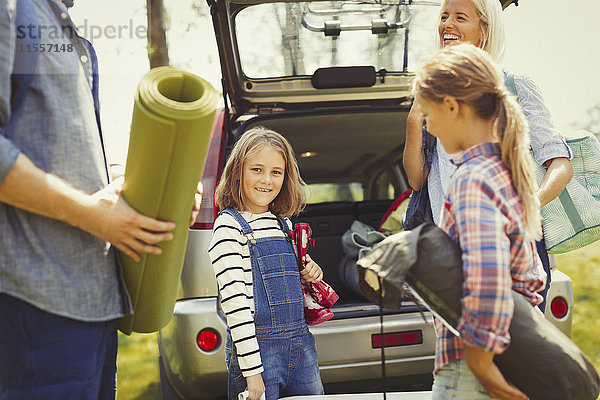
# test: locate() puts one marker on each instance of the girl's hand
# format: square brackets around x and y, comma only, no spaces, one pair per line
[481,363]
[311,273]
[256,386]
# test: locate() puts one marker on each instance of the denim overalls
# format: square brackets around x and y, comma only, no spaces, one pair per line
[287,348]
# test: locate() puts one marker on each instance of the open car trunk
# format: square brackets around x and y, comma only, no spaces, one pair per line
[351,161]
[334,78]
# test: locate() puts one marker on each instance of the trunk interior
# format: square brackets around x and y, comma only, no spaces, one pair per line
[359,147]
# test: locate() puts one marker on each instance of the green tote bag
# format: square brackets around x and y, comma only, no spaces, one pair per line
[572,220]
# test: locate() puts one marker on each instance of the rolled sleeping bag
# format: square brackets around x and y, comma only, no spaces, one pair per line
[540,361]
[172,121]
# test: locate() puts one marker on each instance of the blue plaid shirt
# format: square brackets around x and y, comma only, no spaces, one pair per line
[52,265]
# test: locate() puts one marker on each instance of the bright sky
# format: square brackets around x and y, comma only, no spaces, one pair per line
[552,41]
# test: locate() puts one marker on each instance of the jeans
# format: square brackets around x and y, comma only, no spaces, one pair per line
[455,381]
[290,368]
[541,249]
[45,356]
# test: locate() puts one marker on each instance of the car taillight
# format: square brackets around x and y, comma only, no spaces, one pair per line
[208,210]
[208,339]
[210,176]
[397,339]
[559,307]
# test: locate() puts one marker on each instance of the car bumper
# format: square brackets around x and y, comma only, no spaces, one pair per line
[344,347]
[346,354]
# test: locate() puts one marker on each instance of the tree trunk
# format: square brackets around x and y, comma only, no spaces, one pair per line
[158,52]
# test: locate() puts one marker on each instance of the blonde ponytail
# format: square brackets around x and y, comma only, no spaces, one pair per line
[512,132]
[469,75]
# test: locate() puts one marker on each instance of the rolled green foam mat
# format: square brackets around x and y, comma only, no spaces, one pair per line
[172,120]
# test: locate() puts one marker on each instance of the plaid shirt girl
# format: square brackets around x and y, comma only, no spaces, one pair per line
[483,213]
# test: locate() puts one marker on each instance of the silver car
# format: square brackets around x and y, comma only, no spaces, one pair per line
[334,78]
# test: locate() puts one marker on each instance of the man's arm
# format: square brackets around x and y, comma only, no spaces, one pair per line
[7,54]
[104,214]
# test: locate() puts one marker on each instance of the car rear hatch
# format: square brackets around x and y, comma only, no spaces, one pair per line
[282,55]
[307,69]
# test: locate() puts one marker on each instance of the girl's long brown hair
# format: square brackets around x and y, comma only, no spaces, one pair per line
[229,194]
[469,75]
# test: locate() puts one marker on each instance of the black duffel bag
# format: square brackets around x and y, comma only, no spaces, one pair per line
[540,361]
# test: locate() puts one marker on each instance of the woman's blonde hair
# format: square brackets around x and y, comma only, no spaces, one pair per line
[493,39]
[469,75]
[229,193]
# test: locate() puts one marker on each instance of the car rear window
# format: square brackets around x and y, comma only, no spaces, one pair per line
[292,39]
[329,192]
[382,188]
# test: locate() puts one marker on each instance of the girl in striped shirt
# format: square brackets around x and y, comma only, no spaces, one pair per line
[268,348]
[491,210]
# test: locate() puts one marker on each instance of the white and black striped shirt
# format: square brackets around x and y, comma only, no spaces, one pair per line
[230,257]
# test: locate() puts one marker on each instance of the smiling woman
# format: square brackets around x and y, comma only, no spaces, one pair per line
[459,22]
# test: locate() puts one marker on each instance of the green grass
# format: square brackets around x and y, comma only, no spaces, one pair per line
[583,266]
[137,367]
[138,353]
